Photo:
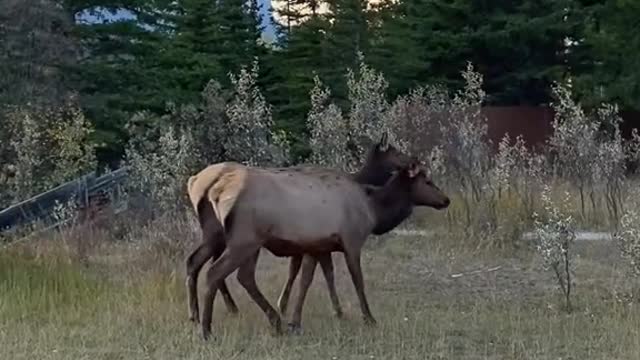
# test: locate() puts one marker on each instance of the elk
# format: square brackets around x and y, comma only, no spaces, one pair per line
[293,212]
[381,160]
[397,210]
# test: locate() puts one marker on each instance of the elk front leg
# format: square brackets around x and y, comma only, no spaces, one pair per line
[294,268]
[327,268]
[353,263]
[308,268]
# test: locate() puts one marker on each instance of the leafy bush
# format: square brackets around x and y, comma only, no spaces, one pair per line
[44,146]
[342,141]
[556,234]
[159,169]
[251,138]
[329,131]
[164,151]
[590,152]
[628,240]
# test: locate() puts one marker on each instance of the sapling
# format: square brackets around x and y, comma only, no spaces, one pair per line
[556,233]
[628,241]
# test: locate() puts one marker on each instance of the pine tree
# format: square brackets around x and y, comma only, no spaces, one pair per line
[346,37]
[36,50]
[209,40]
[165,54]
[301,53]
[396,47]
[519,46]
[118,73]
[609,54]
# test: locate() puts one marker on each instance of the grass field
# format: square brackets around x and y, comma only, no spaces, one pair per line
[111,300]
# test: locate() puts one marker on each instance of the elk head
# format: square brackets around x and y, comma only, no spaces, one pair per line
[423,191]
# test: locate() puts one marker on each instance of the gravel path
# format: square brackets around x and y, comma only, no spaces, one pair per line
[580,236]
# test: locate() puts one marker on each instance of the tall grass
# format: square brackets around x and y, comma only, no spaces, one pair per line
[34,288]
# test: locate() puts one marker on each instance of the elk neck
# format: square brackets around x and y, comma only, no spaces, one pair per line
[372,174]
[392,204]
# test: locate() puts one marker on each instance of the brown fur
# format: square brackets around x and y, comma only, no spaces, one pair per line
[378,166]
[393,204]
[381,160]
[337,214]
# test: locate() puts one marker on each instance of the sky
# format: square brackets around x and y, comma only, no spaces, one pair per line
[269,30]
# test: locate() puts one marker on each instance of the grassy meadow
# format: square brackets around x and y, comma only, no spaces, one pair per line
[82,295]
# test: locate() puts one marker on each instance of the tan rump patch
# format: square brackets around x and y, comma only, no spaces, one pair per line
[224,193]
[221,183]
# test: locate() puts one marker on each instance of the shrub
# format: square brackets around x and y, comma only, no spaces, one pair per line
[209,124]
[251,138]
[342,141]
[46,146]
[329,131]
[164,151]
[556,233]
[589,151]
[628,240]
[159,168]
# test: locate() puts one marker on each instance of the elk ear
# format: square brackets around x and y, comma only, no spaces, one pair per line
[383,145]
[369,189]
[413,170]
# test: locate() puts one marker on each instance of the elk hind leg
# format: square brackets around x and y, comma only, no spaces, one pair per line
[228,262]
[195,261]
[247,278]
[222,285]
[213,243]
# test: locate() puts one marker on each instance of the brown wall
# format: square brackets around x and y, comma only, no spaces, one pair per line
[535,123]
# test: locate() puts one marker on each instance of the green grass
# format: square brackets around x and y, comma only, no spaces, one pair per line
[52,307]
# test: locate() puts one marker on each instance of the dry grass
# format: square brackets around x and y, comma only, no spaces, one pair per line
[120,301]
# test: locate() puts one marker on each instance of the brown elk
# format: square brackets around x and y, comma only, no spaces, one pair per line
[381,160]
[292,212]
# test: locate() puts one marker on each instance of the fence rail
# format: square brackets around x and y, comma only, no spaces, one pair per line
[80,191]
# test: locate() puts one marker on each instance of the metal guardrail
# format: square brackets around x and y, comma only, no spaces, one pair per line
[41,207]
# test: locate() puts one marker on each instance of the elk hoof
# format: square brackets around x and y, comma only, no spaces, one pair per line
[294,329]
[276,324]
[206,334]
[231,305]
[195,318]
[369,320]
[338,314]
